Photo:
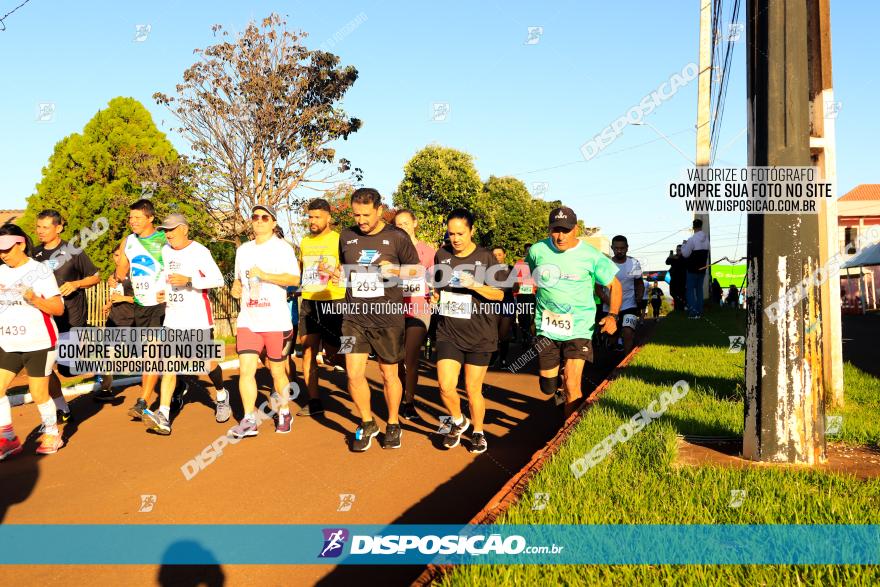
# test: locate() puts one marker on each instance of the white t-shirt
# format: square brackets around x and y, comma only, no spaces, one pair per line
[265,310]
[22,326]
[189,307]
[627,273]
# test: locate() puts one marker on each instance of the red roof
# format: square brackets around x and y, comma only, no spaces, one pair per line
[866,191]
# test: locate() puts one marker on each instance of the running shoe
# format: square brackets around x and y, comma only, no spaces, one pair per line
[363,436]
[453,437]
[62,417]
[49,444]
[177,398]
[408,412]
[222,411]
[137,410]
[315,407]
[392,436]
[478,443]
[9,448]
[244,429]
[103,395]
[157,422]
[283,422]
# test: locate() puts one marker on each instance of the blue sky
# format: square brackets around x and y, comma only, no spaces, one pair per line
[520,109]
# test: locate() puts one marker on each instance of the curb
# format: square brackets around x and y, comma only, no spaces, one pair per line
[510,493]
[85,388]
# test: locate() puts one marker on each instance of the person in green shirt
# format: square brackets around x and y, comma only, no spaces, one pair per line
[566,270]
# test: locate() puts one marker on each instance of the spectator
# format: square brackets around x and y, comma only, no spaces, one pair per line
[732,299]
[677,278]
[716,293]
[696,251]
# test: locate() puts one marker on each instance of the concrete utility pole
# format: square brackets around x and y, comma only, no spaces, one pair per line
[785,394]
[824,155]
[704,104]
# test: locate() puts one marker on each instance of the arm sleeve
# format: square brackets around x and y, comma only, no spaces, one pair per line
[687,248]
[408,253]
[291,260]
[46,285]
[207,275]
[85,265]
[604,269]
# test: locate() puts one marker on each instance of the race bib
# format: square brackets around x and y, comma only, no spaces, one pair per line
[312,277]
[173,296]
[366,285]
[144,288]
[527,289]
[414,288]
[558,324]
[630,321]
[13,330]
[455,305]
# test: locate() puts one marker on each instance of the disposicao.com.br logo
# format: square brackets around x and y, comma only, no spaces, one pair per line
[403,544]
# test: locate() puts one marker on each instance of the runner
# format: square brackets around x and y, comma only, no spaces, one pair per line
[373,321]
[142,262]
[629,274]
[417,318]
[74,273]
[656,300]
[467,330]
[190,271]
[29,299]
[524,291]
[264,268]
[565,314]
[508,310]
[119,311]
[320,321]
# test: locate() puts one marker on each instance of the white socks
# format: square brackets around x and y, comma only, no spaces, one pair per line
[47,414]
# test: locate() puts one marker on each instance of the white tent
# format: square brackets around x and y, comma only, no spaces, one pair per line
[868,256]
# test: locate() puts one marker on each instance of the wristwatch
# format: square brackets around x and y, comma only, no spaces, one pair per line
[189,283]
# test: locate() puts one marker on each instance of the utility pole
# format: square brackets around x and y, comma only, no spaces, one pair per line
[824,155]
[704,104]
[785,395]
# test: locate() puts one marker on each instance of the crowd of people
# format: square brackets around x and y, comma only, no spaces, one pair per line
[369,291]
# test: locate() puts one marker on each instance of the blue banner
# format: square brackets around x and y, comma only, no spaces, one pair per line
[442,544]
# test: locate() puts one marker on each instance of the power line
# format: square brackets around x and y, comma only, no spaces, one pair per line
[2,18]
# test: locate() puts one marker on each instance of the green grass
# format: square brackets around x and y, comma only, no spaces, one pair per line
[637,483]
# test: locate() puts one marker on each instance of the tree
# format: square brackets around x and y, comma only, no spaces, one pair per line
[437,180]
[518,218]
[120,157]
[260,112]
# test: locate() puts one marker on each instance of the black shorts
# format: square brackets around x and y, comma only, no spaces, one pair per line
[317,317]
[149,316]
[410,322]
[37,363]
[64,326]
[386,342]
[447,350]
[553,351]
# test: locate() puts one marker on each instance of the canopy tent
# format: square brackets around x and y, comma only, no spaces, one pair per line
[867,256]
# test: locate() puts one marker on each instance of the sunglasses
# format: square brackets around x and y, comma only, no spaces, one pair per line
[263,217]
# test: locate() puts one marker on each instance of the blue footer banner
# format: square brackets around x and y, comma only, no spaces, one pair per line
[441,544]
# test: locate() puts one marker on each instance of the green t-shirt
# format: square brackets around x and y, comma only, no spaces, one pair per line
[565,305]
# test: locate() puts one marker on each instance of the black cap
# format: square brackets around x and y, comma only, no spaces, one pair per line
[564,218]
[268,209]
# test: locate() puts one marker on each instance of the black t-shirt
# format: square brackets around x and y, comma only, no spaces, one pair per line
[479,332]
[68,265]
[503,274]
[122,313]
[371,301]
